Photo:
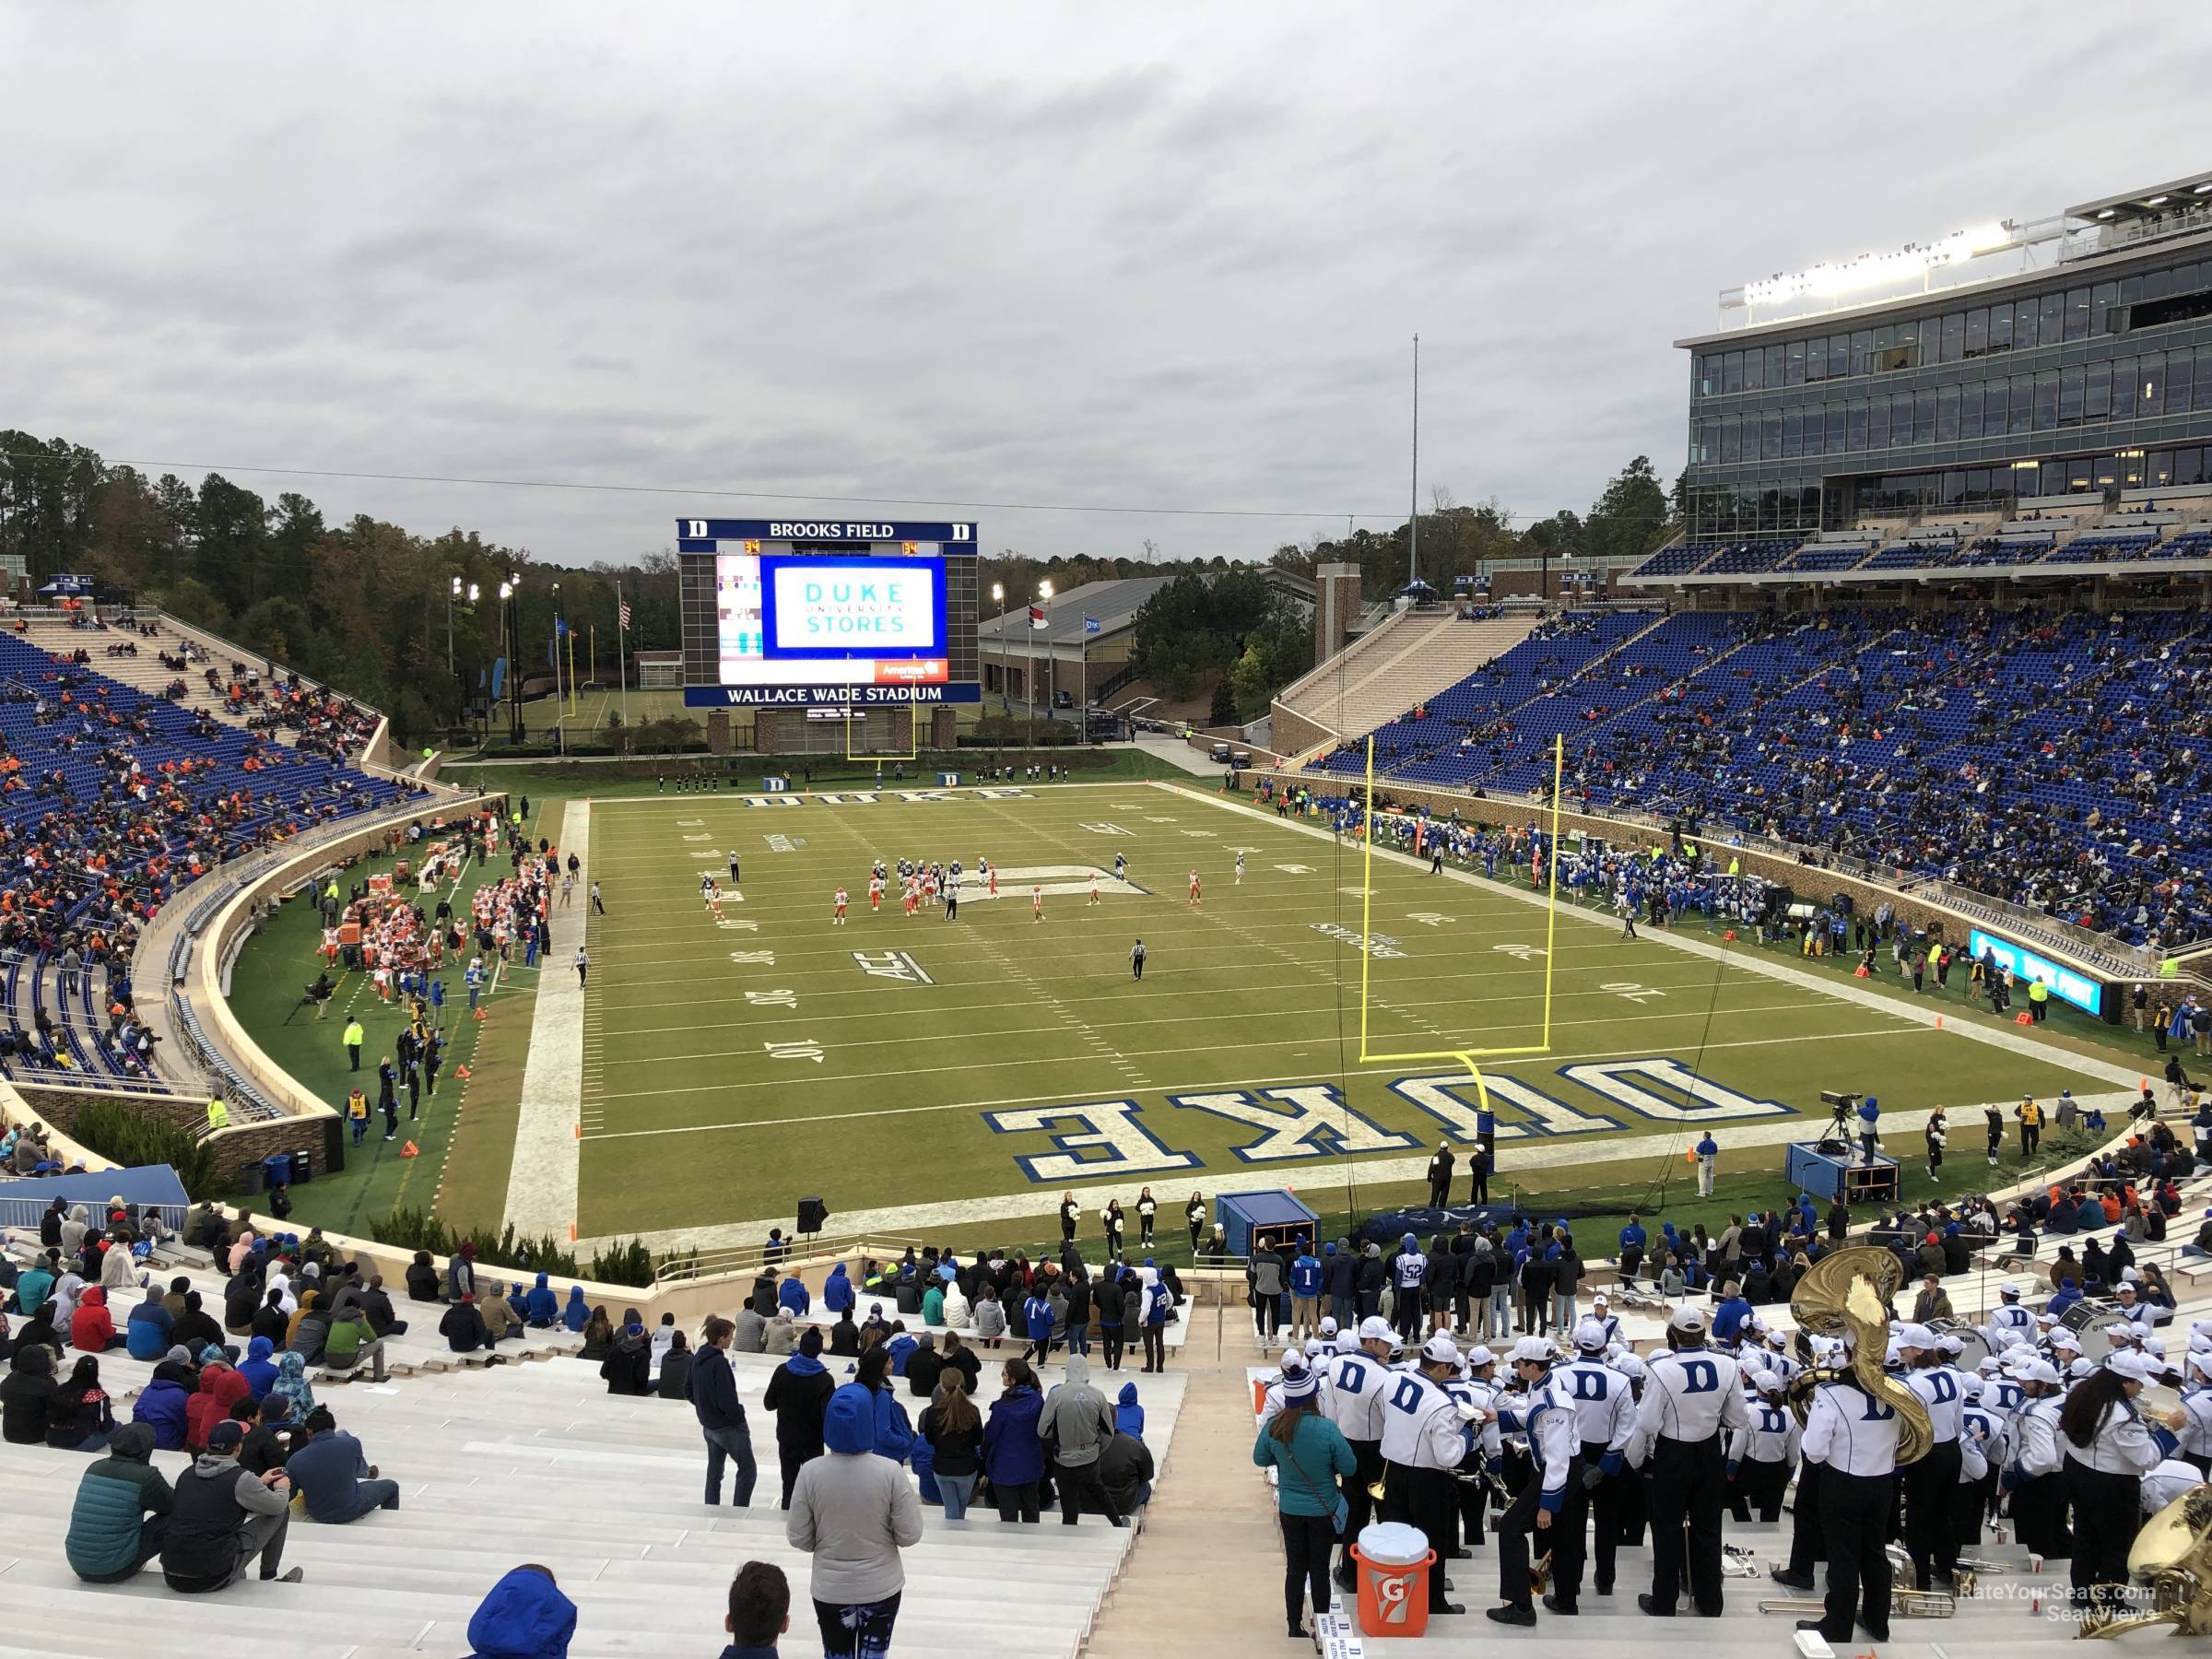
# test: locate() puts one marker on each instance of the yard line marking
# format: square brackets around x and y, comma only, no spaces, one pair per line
[1634,1053]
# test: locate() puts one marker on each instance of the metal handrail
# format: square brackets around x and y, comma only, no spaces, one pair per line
[684,1264]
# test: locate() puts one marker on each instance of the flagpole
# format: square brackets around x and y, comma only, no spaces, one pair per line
[572,672]
[622,664]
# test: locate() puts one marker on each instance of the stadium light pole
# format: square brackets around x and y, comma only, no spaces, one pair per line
[1005,696]
[510,629]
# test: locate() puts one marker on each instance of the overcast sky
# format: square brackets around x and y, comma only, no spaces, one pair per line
[1126,256]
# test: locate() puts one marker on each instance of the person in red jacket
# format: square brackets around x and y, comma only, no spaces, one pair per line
[220,1388]
[91,1326]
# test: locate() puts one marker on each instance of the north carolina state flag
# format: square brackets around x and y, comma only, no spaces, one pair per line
[1037,617]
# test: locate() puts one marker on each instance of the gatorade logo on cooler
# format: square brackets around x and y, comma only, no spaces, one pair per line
[1391,1594]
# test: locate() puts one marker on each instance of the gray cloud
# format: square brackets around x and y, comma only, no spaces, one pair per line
[1151,256]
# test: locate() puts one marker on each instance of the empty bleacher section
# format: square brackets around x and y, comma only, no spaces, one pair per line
[2054,760]
[1411,656]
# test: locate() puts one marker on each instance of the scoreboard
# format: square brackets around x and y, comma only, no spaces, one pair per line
[842,613]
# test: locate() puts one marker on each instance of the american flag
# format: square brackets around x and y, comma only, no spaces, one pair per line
[625,616]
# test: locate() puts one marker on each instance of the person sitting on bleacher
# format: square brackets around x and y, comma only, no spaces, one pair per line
[80,1417]
[575,1313]
[194,1327]
[258,1368]
[34,1285]
[524,1616]
[162,1406]
[422,1280]
[352,1341]
[91,1326]
[463,1328]
[543,1306]
[271,1319]
[226,1517]
[338,1483]
[121,1514]
[25,1395]
[375,1303]
[310,1329]
[499,1320]
[220,1388]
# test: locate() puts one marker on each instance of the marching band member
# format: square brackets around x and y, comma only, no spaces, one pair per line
[2196,1425]
[1761,1454]
[1357,1381]
[2167,1482]
[1606,1319]
[1981,1458]
[1425,1440]
[1692,1396]
[1852,1437]
[2108,1449]
[1480,1389]
[1931,1483]
[2038,1469]
[1604,1412]
[1549,1501]
[2008,1315]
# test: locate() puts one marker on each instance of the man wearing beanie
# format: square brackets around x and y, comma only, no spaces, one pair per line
[223,1517]
[122,1510]
[798,1393]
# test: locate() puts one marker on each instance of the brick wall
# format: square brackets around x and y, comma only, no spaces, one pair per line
[1293,733]
[236,1147]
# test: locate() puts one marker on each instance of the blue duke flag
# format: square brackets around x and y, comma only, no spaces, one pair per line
[1091,625]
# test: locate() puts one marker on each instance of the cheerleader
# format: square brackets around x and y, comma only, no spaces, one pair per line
[1935,1131]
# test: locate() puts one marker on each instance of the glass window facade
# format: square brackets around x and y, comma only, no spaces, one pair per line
[2083,382]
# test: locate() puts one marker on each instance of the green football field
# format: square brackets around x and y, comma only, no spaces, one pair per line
[926,1073]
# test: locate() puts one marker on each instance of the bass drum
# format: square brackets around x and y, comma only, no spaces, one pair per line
[1974,1346]
[2093,1323]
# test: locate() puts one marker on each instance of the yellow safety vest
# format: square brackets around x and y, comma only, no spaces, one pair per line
[219,1114]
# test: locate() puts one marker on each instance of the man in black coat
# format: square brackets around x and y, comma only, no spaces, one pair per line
[1439,1175]
[798,1393]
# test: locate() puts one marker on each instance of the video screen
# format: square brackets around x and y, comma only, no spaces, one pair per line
[780,618]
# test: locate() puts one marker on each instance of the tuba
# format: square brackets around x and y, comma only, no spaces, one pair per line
[1848,1291]
[2171,1557]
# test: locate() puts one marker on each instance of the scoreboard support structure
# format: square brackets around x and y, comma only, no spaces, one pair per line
[856,715]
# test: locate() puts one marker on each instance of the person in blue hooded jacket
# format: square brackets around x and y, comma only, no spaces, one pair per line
[1013,1454]
[791,1295]
[541,1308]
[837,1295]
[524,1617]
[258,1369]
[575,1312]
[162,1408]
[894,1431]
[900,1349]
[1037,1323]
[147,1327]
[853,1511]
[1128,1416]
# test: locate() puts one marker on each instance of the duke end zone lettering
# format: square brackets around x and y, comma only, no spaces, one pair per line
[1310,1121]
[835,697]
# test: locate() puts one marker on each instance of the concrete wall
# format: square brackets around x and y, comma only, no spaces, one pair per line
[203,978]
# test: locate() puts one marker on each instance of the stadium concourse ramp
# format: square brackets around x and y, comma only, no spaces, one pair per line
[1410,658]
